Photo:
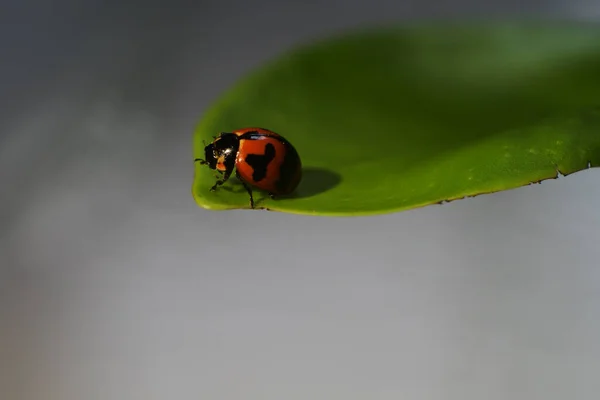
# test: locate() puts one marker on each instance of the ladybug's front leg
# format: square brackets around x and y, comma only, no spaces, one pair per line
[221,181]
[229,163]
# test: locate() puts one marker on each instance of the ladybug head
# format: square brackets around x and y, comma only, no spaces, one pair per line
[222,146]
[210,156]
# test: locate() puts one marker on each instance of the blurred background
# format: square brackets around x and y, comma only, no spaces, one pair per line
[115,285]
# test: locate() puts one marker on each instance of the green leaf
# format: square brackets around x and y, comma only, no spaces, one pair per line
[396,118]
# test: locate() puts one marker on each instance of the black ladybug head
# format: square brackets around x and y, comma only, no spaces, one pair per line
[210,156]
[223,145]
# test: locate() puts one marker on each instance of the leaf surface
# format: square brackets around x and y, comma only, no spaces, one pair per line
[396,118]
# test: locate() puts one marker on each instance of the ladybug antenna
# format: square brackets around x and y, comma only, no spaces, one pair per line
[202,162]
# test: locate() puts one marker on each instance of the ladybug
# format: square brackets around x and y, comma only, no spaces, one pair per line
[261,158]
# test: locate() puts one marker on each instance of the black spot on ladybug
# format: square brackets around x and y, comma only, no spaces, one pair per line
[288,169]
[260,162]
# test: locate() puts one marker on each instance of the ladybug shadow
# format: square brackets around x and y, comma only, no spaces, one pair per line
[314,181]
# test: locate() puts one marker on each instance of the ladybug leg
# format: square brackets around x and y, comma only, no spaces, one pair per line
[229,163]
[272,195]
[226,176]
[247,189]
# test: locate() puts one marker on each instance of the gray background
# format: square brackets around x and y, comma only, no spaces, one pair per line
[115,285]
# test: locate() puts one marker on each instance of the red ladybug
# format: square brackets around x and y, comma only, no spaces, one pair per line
[261,158]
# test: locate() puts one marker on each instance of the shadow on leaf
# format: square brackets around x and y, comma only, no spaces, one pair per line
[315,181]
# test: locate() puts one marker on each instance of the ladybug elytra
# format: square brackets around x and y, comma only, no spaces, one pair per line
[261,158]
